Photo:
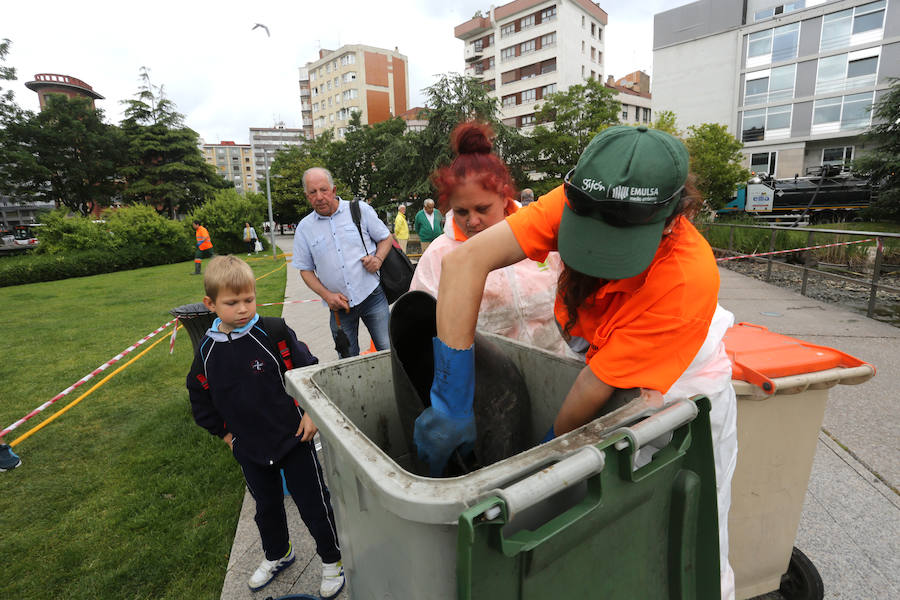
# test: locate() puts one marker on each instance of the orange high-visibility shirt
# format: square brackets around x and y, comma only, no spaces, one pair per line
[643,331]
[203,241]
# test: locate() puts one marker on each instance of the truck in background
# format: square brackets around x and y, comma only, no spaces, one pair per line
[825,195]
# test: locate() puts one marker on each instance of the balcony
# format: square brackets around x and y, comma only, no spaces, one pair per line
[473,53]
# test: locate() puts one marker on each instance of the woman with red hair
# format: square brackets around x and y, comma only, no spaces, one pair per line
[478,191]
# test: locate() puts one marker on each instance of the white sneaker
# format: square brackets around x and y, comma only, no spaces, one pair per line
[268,569]
[332,580]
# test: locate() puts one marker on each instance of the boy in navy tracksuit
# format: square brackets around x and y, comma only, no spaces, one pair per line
[237,393]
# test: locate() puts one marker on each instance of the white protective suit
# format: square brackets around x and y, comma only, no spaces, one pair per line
[518,303]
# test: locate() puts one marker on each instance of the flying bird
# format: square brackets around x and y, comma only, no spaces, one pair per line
[264,27]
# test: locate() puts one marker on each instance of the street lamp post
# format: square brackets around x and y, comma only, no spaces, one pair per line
[269,198]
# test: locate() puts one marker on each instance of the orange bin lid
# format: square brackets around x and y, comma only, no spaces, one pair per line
[758,355]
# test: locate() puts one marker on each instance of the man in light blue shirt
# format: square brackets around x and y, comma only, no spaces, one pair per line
[339,266]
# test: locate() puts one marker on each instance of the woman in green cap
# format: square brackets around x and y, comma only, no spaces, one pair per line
[637,296]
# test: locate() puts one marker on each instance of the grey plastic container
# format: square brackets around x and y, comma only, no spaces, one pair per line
[398,531]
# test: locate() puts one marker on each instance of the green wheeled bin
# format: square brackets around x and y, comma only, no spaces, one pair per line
[572,518]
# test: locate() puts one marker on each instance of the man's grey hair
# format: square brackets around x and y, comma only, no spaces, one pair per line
[429,202]
[324,170]
[527,194]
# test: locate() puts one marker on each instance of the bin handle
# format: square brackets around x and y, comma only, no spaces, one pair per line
[590,460]
[666,420]
[570,471]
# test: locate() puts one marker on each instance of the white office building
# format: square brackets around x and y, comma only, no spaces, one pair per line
[794,82]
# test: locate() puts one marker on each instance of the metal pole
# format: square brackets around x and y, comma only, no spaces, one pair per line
[876,273]
[269,198]
[769,260]
[809,238]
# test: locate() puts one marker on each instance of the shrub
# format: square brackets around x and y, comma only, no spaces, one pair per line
[62,234]
[142,227]
[130,238]
[224,217]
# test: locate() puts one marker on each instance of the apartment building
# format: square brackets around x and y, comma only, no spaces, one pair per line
[306,104]
[527,49]
[269,140]
[633,94]
[232,162]
[794,82]
[357,78]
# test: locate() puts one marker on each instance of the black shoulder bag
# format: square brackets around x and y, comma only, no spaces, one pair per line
[396,270]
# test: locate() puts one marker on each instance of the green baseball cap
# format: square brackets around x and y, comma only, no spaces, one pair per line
[627,182]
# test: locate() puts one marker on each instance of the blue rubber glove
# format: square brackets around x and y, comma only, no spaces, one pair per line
[550,436]
[450,420]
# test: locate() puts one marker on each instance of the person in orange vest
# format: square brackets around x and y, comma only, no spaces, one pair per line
[204,246]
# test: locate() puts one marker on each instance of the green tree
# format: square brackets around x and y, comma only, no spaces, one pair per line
[224,216]
[165,167]
[451,100]
[667,121]
[9,112]
[66,154]
[882,164]
[716,161]
[577,115]
[7,102]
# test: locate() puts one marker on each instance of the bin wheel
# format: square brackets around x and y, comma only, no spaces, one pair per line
[802,580]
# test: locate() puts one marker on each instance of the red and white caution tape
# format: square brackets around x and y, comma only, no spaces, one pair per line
[172,339]
[794,250]
[84,379]
[116,359]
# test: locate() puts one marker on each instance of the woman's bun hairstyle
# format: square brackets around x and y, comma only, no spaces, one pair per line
[472,145]
[472,138]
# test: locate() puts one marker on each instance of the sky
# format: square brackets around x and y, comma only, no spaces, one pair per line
[226,77]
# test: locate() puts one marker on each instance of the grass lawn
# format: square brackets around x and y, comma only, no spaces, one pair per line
[123,496]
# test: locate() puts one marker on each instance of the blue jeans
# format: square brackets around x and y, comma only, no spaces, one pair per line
[375,313]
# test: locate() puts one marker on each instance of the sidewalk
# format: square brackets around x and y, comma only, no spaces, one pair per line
[850,526]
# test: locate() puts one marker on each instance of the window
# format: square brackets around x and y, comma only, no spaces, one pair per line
[842,113]
[349,76]
[526,22]
[624,112]
[770,85]
[593,29]
[773,45]
[852,26]
[507,53]
[548,40]
[328,86]
[599,33]
[525,47]
[328,68]
[582,47]
[766,124]
[548,66]
[763,162]
[330,101]
[348,59]
[312,76]
[646,117]
[490,64]
[593,54]
[548,89]
[337,81]
[529,95]
[593,74]
[527,120]
[548,14]
[507,30]
[838,156]
[477,45]
[509,100]
[847,71]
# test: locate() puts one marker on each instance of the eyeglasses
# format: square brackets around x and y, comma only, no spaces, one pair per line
[615,211]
